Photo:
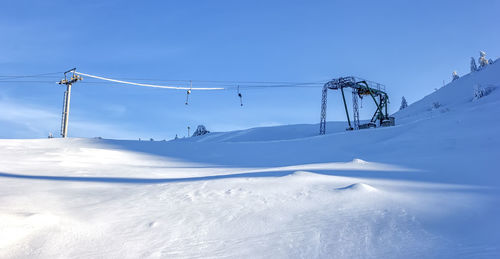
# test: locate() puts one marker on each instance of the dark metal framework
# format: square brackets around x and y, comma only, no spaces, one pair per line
[360,88]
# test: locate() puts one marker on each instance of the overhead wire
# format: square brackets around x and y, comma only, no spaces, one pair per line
[214,84]
[2,77]
[147,85]
[220,81]
[225,87]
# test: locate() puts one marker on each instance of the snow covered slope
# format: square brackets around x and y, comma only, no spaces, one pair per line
[284,132]
[454,95]
[426,188]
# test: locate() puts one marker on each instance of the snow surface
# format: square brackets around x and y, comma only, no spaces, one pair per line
[426,188]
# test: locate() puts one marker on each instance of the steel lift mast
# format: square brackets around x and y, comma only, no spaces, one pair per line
[360,88]
[67,96]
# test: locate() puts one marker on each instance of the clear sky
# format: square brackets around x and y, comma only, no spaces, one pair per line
[410,46]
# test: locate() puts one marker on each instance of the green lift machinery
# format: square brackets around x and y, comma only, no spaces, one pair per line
[360,88]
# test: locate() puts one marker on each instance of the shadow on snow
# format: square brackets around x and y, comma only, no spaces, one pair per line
[131,180]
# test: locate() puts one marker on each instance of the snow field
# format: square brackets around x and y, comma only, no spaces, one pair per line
[428,187]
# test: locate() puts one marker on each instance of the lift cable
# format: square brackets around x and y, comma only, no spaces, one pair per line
[148,85]
[219,85]
[204,82]
[223,87]
[208,84]
[4,77]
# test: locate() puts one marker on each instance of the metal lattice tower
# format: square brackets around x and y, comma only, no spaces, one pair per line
[360,88]
[355,109]
[322,123]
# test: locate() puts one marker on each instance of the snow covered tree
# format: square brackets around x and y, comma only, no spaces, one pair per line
[473,66]
[482,59]
[436,105]
[454,76]
[404,104]
[201,130]
[480,91]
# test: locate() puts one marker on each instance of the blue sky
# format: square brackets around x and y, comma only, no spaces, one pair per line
[410,46]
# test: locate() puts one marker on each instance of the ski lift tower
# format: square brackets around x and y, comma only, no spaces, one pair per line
[67,95]
[360,88]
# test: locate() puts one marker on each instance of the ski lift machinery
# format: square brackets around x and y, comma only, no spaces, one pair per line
[360,88]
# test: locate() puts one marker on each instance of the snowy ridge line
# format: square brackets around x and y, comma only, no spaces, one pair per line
[147,85]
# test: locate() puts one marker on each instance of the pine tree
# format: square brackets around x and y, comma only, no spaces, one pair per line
[482,59]
[473,66]
[478,91]
[201,130]
[404,104]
